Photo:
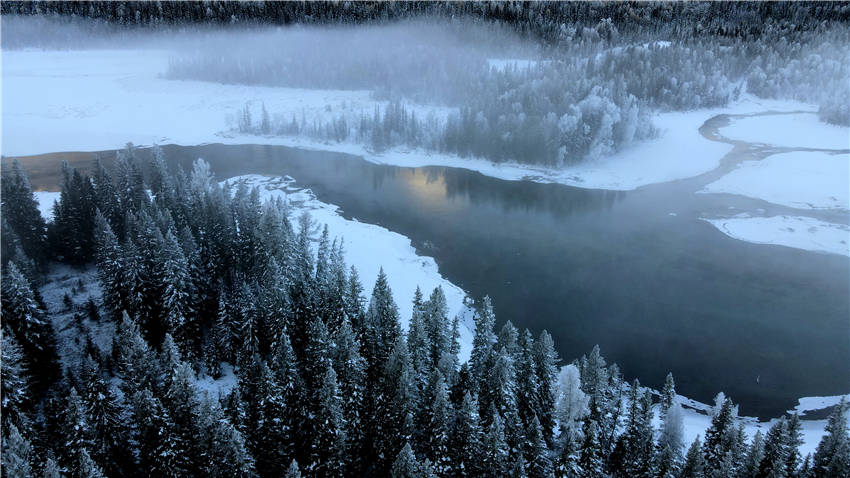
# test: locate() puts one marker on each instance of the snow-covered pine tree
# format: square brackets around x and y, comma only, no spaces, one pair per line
[50,469]
[670,442]
[383,317]
[528,386]
[465,443]
[329,437]
[832,456]
[417,341]
[793,440]
[483,341]
[293,471]
[71,232]
[755,455]
[720,437]
[546,367]
[494,449]
[438,429]
[25,319]
[351,375]
[85,467]
[265,418]
[405,464]
[668,395]
[110,447]
[20,213]
[694,465]
[592,458]
[538,454]
[14,385]
[17,454]
[176,292]
[75,428]
[134,362]
[775,457]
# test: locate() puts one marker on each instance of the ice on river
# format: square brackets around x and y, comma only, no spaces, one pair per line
[801,130]
[790,231]
[806,180]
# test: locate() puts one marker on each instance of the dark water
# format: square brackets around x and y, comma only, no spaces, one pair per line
[658,292]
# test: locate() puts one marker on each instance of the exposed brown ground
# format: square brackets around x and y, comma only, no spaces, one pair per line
[45,170]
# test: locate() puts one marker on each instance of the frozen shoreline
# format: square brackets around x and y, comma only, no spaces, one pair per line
[790,231]
[101,99]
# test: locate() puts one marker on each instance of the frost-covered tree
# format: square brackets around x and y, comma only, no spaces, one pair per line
[17,454]
[26,320]
[14,385]
[21,214]
[832,456]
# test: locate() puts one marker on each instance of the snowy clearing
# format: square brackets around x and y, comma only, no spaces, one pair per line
[790,231]
[45,203]
[101,99]
[369,248]
[809,180]
[802,130]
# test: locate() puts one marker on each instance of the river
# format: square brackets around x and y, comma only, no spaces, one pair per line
[636,272]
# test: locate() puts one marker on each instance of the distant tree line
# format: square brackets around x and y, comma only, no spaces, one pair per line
[195,276]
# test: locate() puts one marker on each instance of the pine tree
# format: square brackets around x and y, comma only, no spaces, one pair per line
[85,467]
[482,343]
[694,466]
[134,361]
[264,417]
[465,444]
[23,316]
[546,367]
[383,318]
[418,341]
[75,428]
[793,440]
[668,394]
[832,456]
[755,455]
[405,464]
[351,374]
[670,442]
[591,461]
[720,437]
[20,213]
[181,404]
[539,462]
[109,446]
[329,443]
[775,452]
[50,469]
[438,429]
[17,454]
[494,449]
[71,233]
[160,450]
[293,471]
[175,290]
[14,383]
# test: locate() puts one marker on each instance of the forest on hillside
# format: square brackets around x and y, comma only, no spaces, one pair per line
[195,279]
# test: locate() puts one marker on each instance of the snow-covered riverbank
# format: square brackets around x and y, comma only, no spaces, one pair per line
[101,99]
